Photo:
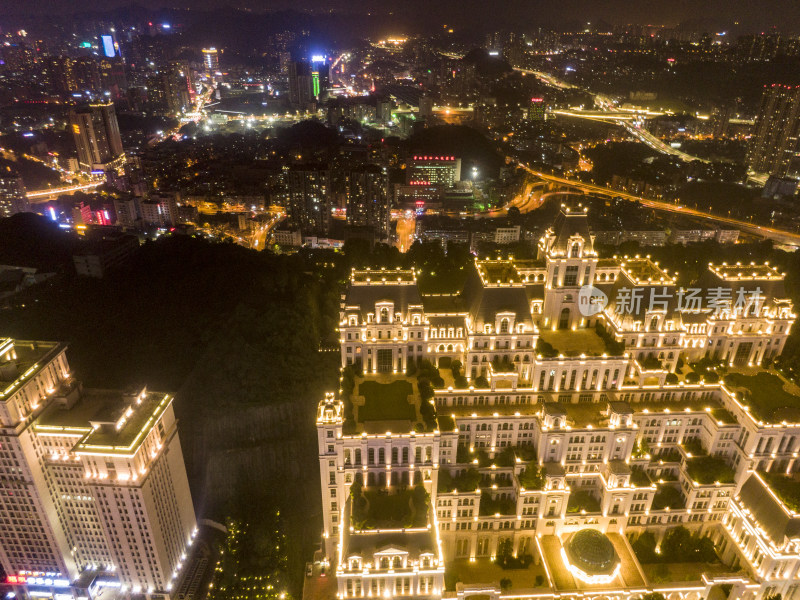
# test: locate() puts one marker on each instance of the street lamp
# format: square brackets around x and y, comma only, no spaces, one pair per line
[474,173]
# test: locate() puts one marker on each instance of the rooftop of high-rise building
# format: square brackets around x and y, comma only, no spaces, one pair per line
[20,360]
[110,421]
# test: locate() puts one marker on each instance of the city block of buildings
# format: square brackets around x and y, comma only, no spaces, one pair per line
[547,417]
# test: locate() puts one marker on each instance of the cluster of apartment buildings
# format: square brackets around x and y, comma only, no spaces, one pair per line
[528,449]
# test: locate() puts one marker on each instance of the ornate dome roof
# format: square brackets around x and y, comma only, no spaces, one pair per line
[592,552]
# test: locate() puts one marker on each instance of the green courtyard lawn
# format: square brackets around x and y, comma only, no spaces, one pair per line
[723,415]
[668,496]
[582,500]
[709,469]
[378,508]
[446,423]
[785,487]
[386,401]
[639,477]
[574,343]
[766,397]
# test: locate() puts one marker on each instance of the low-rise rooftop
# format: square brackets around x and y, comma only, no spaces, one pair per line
[644,271]
[382,275]
[498,271]
[740,272]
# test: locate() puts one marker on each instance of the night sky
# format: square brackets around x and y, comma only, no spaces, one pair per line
[752,15]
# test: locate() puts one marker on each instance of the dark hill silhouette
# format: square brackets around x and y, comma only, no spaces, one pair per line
[485,65]
[460,141]
[30,240]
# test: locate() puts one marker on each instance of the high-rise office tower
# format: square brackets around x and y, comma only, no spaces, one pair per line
[368,200]
[87,74]
[310,197]
[285,60]
[320,78]
[168,90]
[97,137]
[12,193]
[112,77]
[301,84]
[93,487]
[211,60]
[775,139]
[60,75]
[425,107]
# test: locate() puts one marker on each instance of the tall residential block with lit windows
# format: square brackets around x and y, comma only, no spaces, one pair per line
[13,199]
[93,487]
[97,138]
[519,422]
[776,138]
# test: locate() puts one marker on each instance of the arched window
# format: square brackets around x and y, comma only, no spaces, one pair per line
[576,250]
[504,326]
[654,324]
[384,315]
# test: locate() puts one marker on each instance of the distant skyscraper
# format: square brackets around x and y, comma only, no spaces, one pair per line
[87,74]
[425,107]
[112,77]
[211,60]
[536,109]
[301,84]
[168,90]
[60,75]
[775,139]
[310,197]
[12,193]
[368,200]
[721,118]
[97,137]
[285,59]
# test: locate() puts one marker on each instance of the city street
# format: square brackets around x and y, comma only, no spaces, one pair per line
[777,235]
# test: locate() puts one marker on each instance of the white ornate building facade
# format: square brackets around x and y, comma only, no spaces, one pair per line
[526,449]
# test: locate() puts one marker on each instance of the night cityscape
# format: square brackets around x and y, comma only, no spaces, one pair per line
[332,300]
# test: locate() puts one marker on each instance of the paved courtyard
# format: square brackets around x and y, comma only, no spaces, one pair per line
[484,570]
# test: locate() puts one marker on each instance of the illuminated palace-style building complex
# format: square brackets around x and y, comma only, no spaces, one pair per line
[93,487]
[520,420]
